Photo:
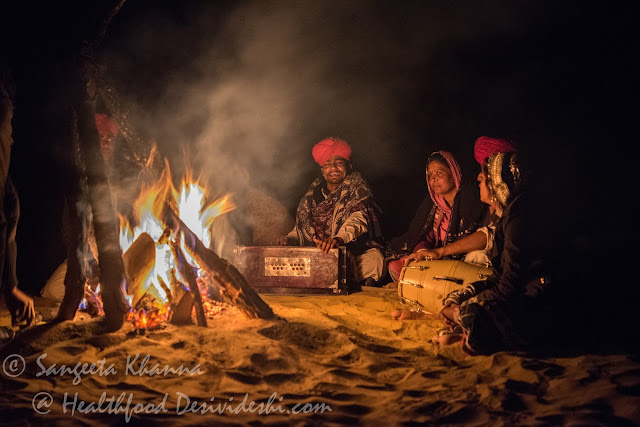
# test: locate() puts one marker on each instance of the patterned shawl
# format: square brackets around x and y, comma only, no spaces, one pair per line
[352,196]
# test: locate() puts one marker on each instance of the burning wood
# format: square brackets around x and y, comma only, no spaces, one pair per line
[150,311]
[139,261]
[92,301]
[186,271]
[231,282]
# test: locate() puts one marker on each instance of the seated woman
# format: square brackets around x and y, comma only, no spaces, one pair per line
[452,211]
[477,246]
[496,314]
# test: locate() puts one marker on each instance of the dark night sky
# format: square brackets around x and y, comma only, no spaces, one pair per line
[253,85]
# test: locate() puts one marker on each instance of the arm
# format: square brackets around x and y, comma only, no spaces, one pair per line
[473,242]
[355,226]
[20,304]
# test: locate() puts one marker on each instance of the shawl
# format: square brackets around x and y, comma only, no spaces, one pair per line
[351,196]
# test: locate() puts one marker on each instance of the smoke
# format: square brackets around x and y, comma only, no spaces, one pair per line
[256,85]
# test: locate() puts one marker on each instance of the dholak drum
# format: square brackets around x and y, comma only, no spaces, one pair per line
[426,283]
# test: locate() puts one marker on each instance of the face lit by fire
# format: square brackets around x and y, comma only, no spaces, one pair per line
[440,178]
[107,146]
[334,171]
[485,194]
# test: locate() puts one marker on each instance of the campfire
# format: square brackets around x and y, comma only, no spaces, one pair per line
[165,282]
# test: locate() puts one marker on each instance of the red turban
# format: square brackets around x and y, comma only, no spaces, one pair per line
[486,146]
[330,147]
[106,126]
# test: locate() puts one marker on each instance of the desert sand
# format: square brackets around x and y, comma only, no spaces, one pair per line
[343,355]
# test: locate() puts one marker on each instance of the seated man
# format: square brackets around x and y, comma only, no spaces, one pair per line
[339,209]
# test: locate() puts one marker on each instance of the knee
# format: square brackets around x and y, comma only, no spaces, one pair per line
[371,264]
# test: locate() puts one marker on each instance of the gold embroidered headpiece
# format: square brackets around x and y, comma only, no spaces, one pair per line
[503,180]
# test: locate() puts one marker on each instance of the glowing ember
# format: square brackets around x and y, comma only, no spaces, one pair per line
[145,318]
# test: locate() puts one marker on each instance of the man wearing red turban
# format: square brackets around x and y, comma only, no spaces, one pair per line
[107,130]
[338,209]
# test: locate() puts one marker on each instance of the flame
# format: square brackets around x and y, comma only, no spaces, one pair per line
[192,208]
[192,211]
[190,203]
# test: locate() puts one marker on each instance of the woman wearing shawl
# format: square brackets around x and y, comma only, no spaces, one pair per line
[477,246]
[452,211]
[496,314]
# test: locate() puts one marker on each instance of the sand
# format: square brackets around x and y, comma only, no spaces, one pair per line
[342,359]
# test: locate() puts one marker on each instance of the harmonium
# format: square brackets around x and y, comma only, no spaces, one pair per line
[294,269]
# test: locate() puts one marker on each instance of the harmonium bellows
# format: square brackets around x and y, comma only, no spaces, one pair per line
[293,269]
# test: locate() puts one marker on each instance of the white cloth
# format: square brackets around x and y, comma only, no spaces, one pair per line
[370,264]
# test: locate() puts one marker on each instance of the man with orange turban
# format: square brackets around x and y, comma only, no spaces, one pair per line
[107,130]
[338,209]
[485,147]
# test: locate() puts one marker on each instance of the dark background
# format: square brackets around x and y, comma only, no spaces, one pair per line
[398,80]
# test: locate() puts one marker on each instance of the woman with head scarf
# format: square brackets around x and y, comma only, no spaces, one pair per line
[452,211]
[496,314]
[477,246]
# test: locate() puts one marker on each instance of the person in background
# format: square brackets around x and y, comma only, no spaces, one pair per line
[339,209]
[108,131]
[19,304]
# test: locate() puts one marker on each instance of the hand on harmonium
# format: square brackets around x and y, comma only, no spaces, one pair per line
[328,244]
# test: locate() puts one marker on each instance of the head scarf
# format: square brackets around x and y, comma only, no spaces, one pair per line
[485,147]
[438,199]
[330,147]
[106,126]
[504,179]
[442,214]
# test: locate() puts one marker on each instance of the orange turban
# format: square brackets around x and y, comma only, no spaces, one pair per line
[106,126]
[330,147]
[486,146]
